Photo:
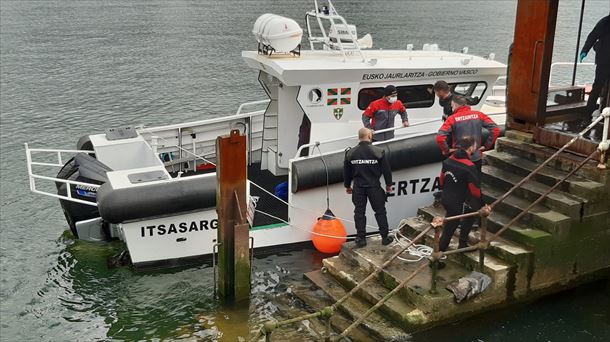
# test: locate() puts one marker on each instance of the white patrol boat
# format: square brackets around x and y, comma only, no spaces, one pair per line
[155,187]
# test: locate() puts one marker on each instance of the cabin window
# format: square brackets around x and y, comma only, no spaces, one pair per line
[473,91]
[418,96]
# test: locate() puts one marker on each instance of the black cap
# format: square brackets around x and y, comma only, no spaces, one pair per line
[389,90]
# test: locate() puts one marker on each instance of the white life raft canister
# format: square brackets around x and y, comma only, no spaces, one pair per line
[281,33]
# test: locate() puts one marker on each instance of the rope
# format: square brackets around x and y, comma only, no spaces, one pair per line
[418,251]
[307,209]
[301,228]
[327,186]
[265,190]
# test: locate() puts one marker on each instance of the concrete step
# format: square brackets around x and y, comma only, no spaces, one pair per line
[316,299]
[565,161]
[349,275]
[417,291]
[430,212]
[531,190]
[539,217]
[514,254]
[503,249]
[519,136]
[576,185]
[496,262]
[531,238]
[376,325]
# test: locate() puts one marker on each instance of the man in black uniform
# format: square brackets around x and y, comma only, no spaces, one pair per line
[460,182]
[599,40]
[364,164]
[443,92]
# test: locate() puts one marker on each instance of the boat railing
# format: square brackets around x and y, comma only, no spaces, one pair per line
[355,137]
[566,64]
[251,104]
[437,225]
[499,87]
[183,135]
[32,176]
[330,13]
[239,114]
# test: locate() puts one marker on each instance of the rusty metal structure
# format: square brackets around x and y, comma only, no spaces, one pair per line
[233,228]
[528,79]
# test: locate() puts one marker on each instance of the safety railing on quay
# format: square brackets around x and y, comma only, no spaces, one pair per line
[437,224]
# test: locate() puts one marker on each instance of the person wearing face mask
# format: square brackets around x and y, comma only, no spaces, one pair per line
[466,122]
[380,114]
[443,92]
[364,165]
[461,186]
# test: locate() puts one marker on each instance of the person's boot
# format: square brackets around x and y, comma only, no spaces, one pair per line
[387,240]
[360,242]
[437,199]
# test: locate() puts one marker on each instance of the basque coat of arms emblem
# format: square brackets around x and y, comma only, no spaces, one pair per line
[338,113]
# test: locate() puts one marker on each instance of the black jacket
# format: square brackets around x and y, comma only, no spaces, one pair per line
[364,164]
[446,104]
[599,40]
[460,181]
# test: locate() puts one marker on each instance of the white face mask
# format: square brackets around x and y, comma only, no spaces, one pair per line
[392,99]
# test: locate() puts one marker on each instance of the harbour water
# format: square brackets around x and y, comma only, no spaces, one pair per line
[72,67]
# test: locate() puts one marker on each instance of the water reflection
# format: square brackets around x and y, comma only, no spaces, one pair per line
[123,304]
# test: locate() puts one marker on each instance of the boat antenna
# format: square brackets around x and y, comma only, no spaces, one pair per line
[325,168]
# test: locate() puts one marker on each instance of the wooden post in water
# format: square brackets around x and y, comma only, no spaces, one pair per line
[233,228]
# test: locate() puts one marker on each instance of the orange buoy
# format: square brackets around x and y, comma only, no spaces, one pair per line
[324,231]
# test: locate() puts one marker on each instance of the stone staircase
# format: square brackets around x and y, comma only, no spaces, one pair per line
[560,243]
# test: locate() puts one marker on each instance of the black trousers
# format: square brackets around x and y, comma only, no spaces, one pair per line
[602,76]
[455,208]
[377,197]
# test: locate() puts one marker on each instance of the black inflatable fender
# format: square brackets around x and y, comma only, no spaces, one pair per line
[157,199]
[403,153]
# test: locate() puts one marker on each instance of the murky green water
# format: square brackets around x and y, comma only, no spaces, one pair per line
[71,67]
